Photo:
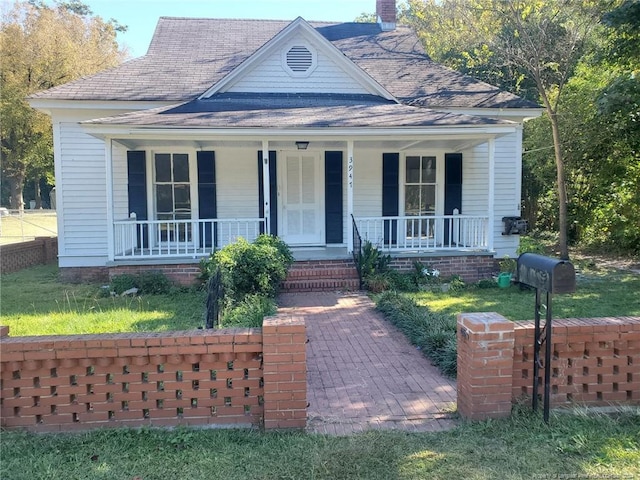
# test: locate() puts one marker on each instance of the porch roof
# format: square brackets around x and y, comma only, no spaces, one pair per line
[293,111]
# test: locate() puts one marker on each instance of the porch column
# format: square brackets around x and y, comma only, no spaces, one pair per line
[265,186]
[492,174]
[349,195]
[108,147]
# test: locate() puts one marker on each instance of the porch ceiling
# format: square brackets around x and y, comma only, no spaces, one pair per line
[451,144]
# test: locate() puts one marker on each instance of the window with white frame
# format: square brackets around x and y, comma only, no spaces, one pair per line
[420,193]
[172,191]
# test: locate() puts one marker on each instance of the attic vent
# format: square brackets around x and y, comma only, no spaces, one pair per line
[300,60]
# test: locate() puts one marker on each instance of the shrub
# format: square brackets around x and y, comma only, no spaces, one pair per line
[122,283]
[249,312]
[147,283]
[251,268]
[434,334]
[372,260]
[530,244]
[378,282]
[153,283]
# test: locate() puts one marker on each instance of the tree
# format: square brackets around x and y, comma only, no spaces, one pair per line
[547,38]
[44,46]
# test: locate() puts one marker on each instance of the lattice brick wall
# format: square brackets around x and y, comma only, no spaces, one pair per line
[62,383]
[594,361]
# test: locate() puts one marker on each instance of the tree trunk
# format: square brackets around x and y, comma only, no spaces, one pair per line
[38,194]
[562,188]
[15,189]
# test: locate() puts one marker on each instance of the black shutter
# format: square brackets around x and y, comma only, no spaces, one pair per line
[137,191]
[333,196]
[273,191]
[207,203]
[452,188]
[390,194]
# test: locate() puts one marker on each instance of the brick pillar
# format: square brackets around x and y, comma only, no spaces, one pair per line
[284,372]
[485,365]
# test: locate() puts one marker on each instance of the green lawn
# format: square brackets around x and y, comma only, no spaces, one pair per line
[35,223]
[521,447]
[34,302]
[607,294]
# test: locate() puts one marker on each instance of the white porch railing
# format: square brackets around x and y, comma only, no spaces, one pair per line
[153,239]
[425,233]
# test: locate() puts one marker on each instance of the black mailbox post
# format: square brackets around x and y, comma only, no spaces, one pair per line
[548,275]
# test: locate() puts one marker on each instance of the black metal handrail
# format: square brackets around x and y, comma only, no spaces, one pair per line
[357,250]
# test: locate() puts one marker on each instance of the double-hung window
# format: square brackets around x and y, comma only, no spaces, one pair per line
[172,191]
[420,193]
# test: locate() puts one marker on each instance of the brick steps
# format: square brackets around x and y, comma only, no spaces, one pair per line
[321,275]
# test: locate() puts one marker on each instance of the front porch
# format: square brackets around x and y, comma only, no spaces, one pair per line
[136,240]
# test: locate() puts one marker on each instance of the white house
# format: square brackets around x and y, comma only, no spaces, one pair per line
[325,134]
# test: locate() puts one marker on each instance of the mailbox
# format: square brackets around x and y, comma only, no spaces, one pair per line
[546,273]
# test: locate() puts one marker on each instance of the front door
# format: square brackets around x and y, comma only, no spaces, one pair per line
[302,219]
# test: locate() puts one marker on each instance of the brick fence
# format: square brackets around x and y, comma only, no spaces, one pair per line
[595,362]
[238,377]
[16,256]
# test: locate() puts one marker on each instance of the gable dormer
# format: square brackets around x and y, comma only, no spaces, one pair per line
[299,60]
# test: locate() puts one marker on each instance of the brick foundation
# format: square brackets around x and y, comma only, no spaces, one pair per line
[182,274]
[17,256]
[239,377]
[594,362]
[84,274]
[470,268]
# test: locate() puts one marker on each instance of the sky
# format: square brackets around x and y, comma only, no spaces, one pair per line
[141,16]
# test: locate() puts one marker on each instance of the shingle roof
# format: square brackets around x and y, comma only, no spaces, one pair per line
[292,111]
[187,56]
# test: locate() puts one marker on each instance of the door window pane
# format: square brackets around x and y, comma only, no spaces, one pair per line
[164,199]
[163,167]
[412,200]
[181,167]
[413,169]
[428,170]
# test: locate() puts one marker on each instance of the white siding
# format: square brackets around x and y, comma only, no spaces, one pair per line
[367,184]
[272,76]
[237,183]
[507,194]
[82,194]
[475,184]
[120,181]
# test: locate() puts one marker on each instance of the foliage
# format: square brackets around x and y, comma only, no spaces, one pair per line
[249,312]
[425,275]
[122,283]
[507,265]
[44,46]
[519,447]
[372,260]
[250,268]
[147,283]
[530,244]
[585,73]
[434,334]
[378,282]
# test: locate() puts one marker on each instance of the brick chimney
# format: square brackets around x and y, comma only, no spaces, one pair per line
[386,13]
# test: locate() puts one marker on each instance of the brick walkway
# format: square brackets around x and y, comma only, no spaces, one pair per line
[363,373]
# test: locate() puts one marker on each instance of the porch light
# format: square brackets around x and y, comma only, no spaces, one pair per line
[302,145]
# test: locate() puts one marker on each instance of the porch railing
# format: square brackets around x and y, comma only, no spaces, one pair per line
[148,239]
[425,233]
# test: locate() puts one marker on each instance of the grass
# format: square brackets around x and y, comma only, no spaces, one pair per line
[606,294]
[521,447]
[15,228]
[34,302]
